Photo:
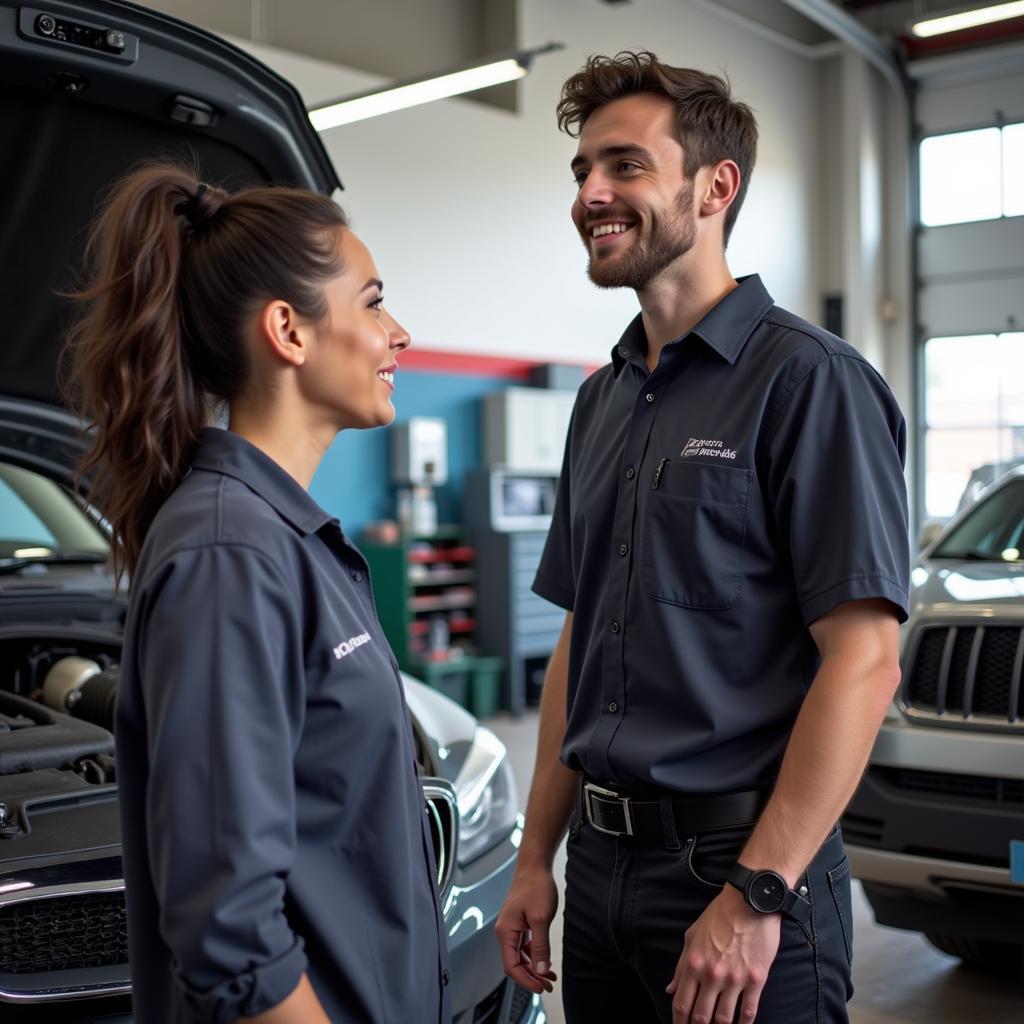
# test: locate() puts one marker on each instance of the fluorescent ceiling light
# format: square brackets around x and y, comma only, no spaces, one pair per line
[437,87]
[967,19]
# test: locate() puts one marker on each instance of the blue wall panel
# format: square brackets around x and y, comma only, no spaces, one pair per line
[353,482]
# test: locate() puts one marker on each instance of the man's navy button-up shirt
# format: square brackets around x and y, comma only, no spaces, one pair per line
[273,822]
[707,514]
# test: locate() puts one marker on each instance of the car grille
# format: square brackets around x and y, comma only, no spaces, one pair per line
[969,787]
[966,675]
[442,816]
[495,1009]
[63,933]
[66,931]
[520,1005]
[488,1010]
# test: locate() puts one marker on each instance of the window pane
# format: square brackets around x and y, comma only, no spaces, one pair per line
[1011,378]
[1013,170]
[962,381]
[959,465]
[961,177]
[994,529]
[19,525]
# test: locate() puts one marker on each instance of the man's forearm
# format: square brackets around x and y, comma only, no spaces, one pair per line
[553,789]
[824,760]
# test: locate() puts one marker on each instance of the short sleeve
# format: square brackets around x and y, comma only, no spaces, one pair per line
[837,492]
[220,669]
[555,580]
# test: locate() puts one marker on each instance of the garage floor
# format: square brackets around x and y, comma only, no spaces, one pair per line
[899,978]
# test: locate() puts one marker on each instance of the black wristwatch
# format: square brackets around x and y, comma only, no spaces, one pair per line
[767,893]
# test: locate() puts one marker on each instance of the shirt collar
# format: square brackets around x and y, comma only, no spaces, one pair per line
[221,451]
[725,329]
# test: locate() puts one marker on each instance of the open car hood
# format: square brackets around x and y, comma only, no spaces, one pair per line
[125,84]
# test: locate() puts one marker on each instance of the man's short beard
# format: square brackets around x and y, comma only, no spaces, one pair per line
[669,239]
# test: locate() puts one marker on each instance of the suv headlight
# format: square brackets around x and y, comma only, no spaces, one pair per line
[487,798]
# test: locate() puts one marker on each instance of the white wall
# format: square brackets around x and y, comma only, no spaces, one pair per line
[466,208]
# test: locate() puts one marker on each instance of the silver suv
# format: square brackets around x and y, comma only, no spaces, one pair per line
[936,829]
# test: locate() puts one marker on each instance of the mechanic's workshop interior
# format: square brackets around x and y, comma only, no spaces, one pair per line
[626,537]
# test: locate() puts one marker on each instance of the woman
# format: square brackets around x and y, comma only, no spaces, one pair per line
[276,853]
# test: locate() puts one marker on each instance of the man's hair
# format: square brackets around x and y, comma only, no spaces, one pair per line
[712,125]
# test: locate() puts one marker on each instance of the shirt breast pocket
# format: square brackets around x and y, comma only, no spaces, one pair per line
[694,534]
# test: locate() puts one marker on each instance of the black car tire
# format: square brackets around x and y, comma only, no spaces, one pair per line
[982,955]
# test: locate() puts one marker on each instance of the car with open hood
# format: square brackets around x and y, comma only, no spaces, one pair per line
[87,90]
[936,830]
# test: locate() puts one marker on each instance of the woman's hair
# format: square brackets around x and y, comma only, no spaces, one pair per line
[712,125]
[175,271]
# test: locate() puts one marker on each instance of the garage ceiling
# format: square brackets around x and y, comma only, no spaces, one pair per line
[402,39]
[395,38]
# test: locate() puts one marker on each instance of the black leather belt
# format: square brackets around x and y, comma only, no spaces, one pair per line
[621,814]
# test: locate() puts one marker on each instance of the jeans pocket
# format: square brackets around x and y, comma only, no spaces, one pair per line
[839,886]
[708,856]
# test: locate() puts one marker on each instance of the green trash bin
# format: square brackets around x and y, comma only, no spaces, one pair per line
[452,678]
[485,686]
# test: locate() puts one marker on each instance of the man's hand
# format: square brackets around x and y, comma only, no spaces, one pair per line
[522,929]
[726,957]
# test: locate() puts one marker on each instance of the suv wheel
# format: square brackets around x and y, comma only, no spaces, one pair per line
[993,957]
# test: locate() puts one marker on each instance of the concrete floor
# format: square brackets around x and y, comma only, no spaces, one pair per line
[898,977]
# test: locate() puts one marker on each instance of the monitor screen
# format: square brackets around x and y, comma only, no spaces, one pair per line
[526,496]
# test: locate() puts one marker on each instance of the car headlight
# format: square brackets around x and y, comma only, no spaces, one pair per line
[487,798]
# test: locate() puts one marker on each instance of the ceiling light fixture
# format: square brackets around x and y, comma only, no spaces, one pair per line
[970,17]
[425,90]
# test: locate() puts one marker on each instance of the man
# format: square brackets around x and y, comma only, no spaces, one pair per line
[730,545]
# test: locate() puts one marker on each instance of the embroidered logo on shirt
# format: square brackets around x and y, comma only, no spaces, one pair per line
[706,447]
[344,649]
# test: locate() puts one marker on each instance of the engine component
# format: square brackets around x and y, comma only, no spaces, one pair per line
[45,739]
[62,687]
[99,694]
[78,686]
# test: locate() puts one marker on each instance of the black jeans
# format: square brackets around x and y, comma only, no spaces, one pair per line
[628,903]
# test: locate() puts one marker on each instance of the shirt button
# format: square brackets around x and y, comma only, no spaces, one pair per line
[630,473]
[444,977]
[615,627]
[358,577]
[613,707]
[623,549]
[650,397]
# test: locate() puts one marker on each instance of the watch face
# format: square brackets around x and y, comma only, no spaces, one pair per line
[767,892]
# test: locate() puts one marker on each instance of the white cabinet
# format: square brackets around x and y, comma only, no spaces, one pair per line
[525,428]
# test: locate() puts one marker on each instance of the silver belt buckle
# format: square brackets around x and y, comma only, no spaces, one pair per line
[589,789]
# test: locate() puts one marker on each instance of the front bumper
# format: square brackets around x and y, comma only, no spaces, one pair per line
[940,794]
[480,990]
[940,897]
[932,846]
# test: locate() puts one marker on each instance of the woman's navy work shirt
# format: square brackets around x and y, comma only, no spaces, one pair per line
[273,820]
[707,514]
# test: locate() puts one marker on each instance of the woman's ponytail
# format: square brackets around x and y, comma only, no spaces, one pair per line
[175,269]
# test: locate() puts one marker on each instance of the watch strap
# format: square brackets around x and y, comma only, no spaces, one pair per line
[738,877]
[797,907]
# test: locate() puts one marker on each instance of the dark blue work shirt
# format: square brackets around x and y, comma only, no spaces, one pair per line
[707,514]
[273,820]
